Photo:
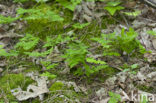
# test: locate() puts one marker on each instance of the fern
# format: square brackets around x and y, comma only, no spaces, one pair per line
[44,14]
[131,68]
[48,64]
[76,57]
[92,60]
[127,41]
[49,75]
[69,4]
[75,54]
[135,13]
[113,6]
[39,54]
[50,42]
[116,45]
[27,43]
[5,20]
[99,64]
[80,26]
[106,41]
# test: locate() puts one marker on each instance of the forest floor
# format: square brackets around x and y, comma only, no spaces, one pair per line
[66,51]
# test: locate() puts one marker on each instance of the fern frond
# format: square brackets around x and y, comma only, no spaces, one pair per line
[92,60]
[4,20]
[27,43]
[39,14]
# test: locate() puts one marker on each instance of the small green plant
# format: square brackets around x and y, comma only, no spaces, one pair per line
[113,6]
[134,14]
[44,14]
[96,65]
[106,41]
[131,68]
[3,51]
[48,65]
[127,42]
[114,98]
[27,43]
[5,20]
[80,26]
[49,75]
[69,4]
[116,45]
[76,54]
[76,57]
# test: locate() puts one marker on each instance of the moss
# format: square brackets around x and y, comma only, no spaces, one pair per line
[42,28]
[11,81]
[145,88]
[56,86]
[102,75]
[36,100]
[63,93]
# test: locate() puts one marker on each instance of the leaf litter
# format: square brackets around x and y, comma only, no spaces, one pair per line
[118,83]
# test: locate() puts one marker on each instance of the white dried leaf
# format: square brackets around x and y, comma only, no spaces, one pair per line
[101,93]
[32,90]
[140,76]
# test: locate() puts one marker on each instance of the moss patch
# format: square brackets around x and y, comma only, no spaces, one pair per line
[11,81]
[145,88]
[56,86]
[61,94]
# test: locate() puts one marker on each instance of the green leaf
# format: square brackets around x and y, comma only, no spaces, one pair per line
[39,14]
[113,3]
[135,13]
[3,51]
[27,43]
[75,54]
[112,10]
[92,60]
[80,26]
[49,75]
[51,66]
[71,4]
[5,20]
[134,66]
